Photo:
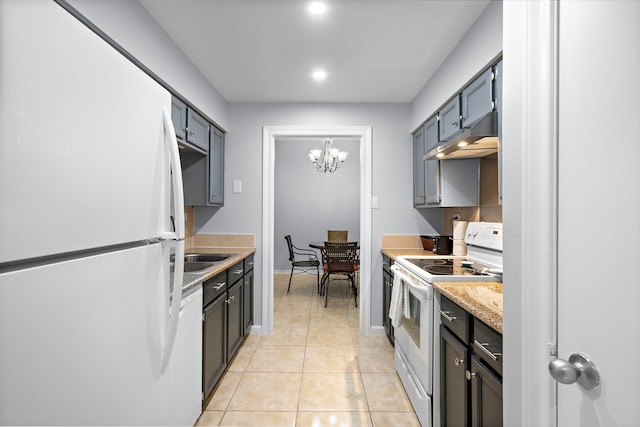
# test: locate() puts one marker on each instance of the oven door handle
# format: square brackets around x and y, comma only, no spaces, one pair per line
[424,289]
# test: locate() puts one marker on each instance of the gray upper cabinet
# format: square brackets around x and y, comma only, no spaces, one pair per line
[216,168]
[476,98]
[197,130]
[431,167]
[438,183]
[450,118]
[201,154]
[179,118]
[203,176]
[455,182]
[419,194]
[192,130]
[497,94]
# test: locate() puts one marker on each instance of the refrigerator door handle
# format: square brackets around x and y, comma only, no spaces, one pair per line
[176,299]
[171,145]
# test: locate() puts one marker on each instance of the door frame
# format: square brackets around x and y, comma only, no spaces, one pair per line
[530,210]
[269,136]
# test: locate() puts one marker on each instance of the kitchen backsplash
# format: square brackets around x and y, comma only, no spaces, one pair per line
[189,226]
[193,240]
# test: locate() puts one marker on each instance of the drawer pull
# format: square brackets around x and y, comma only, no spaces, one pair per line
[219,285]
[238,271]
[445,314]
[481,346]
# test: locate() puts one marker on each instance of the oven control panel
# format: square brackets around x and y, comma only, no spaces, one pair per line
[485,235]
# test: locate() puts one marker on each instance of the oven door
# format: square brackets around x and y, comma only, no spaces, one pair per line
[415,334]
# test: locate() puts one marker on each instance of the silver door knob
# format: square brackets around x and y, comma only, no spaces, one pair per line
[578,369]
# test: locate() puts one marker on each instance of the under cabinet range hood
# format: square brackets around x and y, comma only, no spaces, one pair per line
[478,140]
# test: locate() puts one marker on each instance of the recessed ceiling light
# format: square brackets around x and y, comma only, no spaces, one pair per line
[317,8]
[319,75]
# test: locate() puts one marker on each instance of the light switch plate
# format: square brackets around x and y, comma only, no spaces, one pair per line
[237,187]
[374,202]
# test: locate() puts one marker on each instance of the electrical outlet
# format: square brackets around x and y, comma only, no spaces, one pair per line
[456,216]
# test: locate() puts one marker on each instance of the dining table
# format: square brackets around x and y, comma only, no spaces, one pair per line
[319,244]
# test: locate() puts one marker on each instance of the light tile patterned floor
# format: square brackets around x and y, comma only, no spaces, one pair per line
[314,370]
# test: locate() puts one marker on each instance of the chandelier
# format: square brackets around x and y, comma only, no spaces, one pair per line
[328,159]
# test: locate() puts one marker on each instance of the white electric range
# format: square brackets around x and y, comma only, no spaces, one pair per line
[414,336]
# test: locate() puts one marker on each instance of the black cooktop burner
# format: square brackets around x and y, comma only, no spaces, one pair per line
[445,267]
[439,269]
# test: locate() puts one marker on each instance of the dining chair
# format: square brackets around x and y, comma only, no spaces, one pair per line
[303,259]
[337,235]
[339,258]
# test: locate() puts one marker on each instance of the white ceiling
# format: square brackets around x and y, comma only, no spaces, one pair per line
[266,50]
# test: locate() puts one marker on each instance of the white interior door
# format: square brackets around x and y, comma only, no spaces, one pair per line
[599,207]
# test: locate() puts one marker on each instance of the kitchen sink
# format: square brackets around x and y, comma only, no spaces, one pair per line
[196,263]
[196,258]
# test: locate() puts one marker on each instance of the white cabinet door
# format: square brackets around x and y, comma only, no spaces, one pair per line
[599,207]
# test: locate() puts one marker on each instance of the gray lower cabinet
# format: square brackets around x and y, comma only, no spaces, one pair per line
[214,331]
[470,369]
[486,396]
[214,343]
[235,327]
[247,295]
[387,287]
[227,301]
[454,390]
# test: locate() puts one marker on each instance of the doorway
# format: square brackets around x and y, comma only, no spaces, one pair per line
[269,136]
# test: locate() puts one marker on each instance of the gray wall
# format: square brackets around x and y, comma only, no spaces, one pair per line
[308,203]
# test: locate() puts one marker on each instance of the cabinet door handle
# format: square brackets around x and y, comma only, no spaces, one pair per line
[481,346]
[445,314]
[469,375]
[454,123]
[192,132]
[458,362]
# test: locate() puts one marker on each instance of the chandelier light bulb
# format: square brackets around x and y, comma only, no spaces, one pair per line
[328,159]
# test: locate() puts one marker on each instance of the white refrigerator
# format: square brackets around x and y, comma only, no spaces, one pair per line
[91,211]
